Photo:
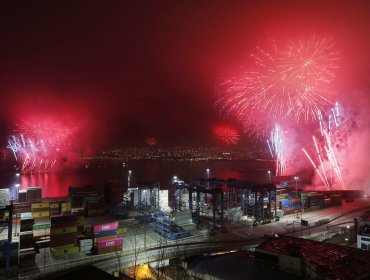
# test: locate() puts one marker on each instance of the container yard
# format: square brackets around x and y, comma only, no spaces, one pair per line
[85,224]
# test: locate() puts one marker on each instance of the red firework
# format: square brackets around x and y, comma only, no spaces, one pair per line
[151,141]
[291,83]
[38,143]
[227,134]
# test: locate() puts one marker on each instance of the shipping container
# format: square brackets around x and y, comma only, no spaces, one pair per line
[63,218]
[85,249]
[54,205]
[64,250]
[26,224]
[66,206]
[27,257]
[105,227]
[122,230]
[34,194]
[26,240]
[115,242]
[56,231]
[107,250]
[41,205]
[40,214]
[63,239]
[22,196]
[54,212]
[41,226]
[26,215]
[104,238]
[85,242]
[105,233]
[80,228]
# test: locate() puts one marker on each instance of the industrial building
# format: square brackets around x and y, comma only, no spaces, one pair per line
[362,230]
[311,259]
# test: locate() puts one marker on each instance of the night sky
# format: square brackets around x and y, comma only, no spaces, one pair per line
[123,71]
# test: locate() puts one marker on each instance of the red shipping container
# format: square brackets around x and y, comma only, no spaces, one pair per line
[63,239]
[107,250]
[105,238]
[104,227]
[115,242]
[64,224]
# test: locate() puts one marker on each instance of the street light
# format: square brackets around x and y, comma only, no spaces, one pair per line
[16,215]
[269,174]
[17,191]
[296,178]
[129,178]
[174,179]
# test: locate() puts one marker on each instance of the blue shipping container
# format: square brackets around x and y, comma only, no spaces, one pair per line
[105,233]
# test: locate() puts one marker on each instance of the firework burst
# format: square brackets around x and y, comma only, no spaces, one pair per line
[36,145]
[291,83]
[151,141]
[227,134]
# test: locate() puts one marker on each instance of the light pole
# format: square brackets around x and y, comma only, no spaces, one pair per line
[129,178]
[145,217]
[208,172]
[16,214]
[296,178]
[269,175]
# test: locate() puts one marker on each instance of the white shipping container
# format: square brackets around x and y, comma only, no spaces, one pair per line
[86,242]
[4,197]
[86,248]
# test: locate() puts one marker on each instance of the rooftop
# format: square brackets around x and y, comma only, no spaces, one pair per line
[338,261]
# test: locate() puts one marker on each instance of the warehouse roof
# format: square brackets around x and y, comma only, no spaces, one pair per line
[340,262]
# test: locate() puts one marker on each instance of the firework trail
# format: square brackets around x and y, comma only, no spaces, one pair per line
[290,83]
[277,147]
[31,153]
[227,134]
[325,150]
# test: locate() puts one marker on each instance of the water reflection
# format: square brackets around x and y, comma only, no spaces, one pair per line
[56,184]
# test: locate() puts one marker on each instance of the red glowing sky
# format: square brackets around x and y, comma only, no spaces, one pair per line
[129,70]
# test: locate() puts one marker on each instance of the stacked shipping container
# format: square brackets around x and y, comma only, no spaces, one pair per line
[113,192]
[54,208]
[27,252]
[105,238]
[23,207]
[63,235]
[94,209]
[109,246]
[77,195]
[34,194]
[22,196]
[316,201]
[85,245]
[40,211]
[66,208]
[4,197]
